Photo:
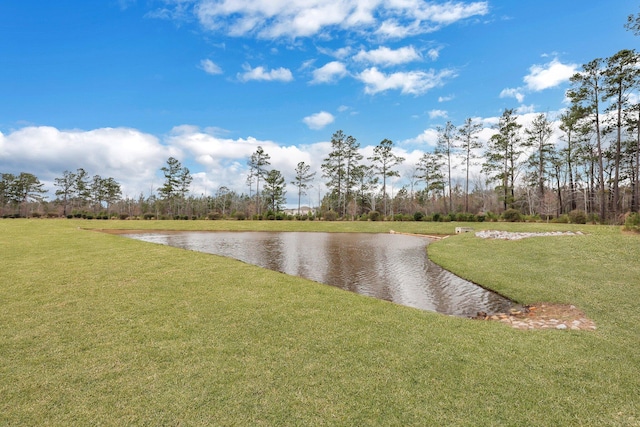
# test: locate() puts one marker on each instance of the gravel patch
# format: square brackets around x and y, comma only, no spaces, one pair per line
[507,235]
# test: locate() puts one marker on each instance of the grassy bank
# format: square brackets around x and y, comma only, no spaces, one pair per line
[98,329]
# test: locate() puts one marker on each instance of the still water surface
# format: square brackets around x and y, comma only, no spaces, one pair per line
[391,267]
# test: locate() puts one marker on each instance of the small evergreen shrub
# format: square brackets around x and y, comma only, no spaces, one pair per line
[417,216]
[578,216]
[465,217]
[632,222]
[240,216]
[330,216]
[562,219]
[512,215]
[374,216]
[490,216]
[436,217]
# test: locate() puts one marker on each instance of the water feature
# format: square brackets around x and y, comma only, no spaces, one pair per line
[391,267]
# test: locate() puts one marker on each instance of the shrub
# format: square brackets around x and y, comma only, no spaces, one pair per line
[632,222]
[481,217]
[512,215]
[148,216]
[330,216]
[562,219]
[240,216]
[374,216]
[214,216]
[417,216]
[490,216]
[531,218]
[436,217]
[123,216]
[578,216]
[465,217]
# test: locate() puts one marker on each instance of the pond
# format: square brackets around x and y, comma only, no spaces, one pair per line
[390,267]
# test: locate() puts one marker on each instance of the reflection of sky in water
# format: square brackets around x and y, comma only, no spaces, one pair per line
[386,266]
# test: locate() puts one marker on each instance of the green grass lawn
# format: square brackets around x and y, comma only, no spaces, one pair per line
[97,329]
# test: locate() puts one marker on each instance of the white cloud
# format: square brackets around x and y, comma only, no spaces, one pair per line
[512,93]
[319,120]
[262,74]
[413,82]
[445,98]
[428,137]
[549,75]
[434,114]
[329,73]
[434,54]
[210,67]
[340,54]
[307,18]
[526,109]
[129,156]
[388,57]
[223,161]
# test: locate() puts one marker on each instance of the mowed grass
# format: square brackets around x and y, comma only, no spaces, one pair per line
[97,329]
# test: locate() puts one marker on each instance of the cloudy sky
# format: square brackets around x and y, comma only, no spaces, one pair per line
[118,86]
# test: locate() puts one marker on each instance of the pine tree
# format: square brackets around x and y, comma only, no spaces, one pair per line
[469,142]
[446,148]
[502,156]
[275,190]
[257,163]
[302,179]
[538,136]
[383,162]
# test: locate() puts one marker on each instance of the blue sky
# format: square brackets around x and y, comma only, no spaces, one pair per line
[118,86]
